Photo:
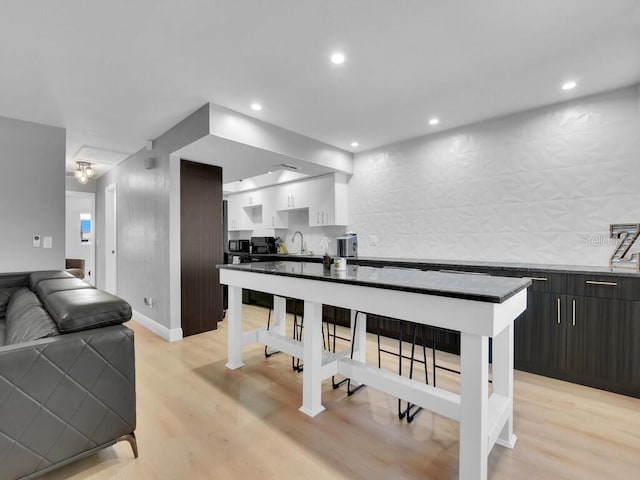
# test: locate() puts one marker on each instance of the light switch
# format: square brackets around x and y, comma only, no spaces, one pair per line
[36,241]
[47,242]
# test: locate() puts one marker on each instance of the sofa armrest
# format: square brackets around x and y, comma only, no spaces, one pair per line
[65,395]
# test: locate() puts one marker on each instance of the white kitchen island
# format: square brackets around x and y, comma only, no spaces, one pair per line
[477,306]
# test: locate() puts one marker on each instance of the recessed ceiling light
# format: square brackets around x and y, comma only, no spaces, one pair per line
[256,106]
[337,58]
[434,121]
[269,173]
[569,85]
[355,144]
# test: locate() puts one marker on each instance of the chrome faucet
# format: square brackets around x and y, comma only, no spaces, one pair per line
[293,237]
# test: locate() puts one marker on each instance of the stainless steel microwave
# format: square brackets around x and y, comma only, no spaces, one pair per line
[239,246]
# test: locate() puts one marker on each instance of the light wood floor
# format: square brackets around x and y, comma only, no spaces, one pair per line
[197,419]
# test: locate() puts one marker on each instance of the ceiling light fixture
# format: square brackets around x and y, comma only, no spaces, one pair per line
[256,106]
[569,85]
[355,144]
[83,172]
[434,121]
[337,58]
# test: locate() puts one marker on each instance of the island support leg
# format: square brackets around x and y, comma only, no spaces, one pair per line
[234,328]
[474,402]
[312,356]
[503,380]
[279,315]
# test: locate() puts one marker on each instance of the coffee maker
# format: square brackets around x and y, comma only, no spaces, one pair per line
[347,245]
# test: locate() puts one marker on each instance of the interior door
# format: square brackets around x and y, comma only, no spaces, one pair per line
[201,235]
[111,235]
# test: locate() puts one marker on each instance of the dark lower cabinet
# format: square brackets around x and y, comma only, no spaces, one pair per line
[540,334]
[603,338]
[594,341]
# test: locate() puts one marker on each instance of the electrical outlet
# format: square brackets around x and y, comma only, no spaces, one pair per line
[373,240]
[36,241]
[47,242]
[148,301]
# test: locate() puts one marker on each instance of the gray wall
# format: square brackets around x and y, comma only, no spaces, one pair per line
[32,194]
[142,198]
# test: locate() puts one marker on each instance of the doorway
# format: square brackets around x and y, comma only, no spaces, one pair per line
[79,238]
[111,235]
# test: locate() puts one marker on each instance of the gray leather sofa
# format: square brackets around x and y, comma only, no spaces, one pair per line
[67,372]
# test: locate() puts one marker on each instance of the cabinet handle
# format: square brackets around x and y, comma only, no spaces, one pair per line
[293,201]
[538,279]
[318,217]
[574,311]
[273,220]
[596,282]
[289,201]
[558,310]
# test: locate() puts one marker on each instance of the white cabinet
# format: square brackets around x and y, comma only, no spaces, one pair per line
[328,200]
[325,197]
[292,196]
[271,216]
[252,199]
[238,218]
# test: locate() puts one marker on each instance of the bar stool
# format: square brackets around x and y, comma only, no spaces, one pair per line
[331,346]
[296,364]
[411,410]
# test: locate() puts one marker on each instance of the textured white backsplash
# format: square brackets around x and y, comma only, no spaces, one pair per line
[540,186]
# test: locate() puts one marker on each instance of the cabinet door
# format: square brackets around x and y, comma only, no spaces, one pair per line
[299,195]
[540,334]
[322,201]
[328,200]
[237,217]
[603,339]
[252,199]
[271,216]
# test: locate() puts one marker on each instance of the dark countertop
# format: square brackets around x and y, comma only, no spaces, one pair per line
[435,264]
[482,288]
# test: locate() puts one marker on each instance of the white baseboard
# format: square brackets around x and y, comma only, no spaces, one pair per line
[155,327]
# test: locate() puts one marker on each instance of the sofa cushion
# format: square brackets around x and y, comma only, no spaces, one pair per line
[46,287]
[20,301]
[75,310]
[33,324]
[5,295]
[26,319]
[36,277]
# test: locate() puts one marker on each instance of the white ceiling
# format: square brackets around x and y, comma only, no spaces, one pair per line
[120,72]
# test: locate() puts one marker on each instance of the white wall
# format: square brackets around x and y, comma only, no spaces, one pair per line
[315,238]
[540,186]
[32,180]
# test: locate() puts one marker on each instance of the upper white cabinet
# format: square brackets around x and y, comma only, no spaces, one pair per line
[292,196]
[325,197]
[271,216]
[328,200]
[252,199]
[237,217]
